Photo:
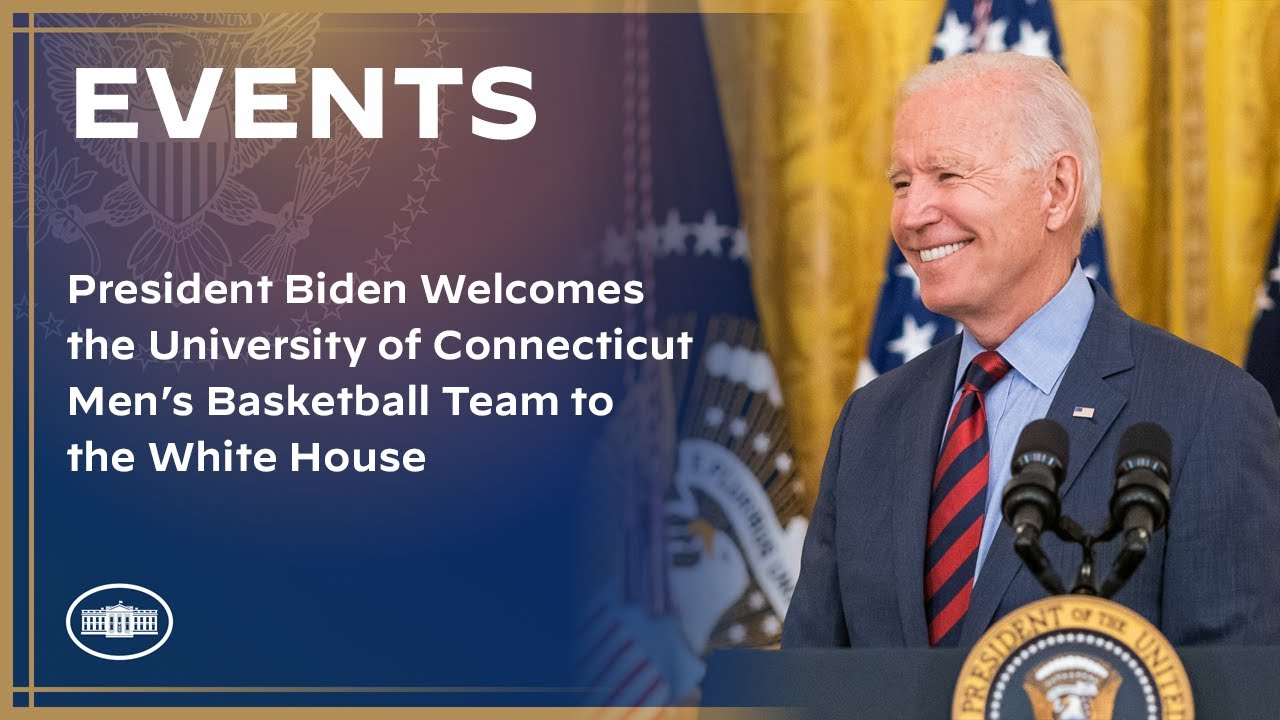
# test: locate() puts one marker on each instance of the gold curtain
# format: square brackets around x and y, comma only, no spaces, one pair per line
[1186,97]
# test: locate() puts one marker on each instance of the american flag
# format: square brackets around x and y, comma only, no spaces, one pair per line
[1264,345]
[627,659]
[903,327]
[714,513]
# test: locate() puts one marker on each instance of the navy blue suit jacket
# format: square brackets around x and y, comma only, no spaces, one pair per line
[1212,576]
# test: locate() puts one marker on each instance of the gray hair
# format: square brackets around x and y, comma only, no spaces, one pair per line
[1050,109]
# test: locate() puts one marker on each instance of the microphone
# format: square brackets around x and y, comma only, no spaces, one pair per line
[1140,504]
[1030,502]
[1141,500]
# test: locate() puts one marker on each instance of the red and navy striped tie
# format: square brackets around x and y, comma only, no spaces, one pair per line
[958,503]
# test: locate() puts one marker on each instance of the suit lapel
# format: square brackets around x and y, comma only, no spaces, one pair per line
[919,437]
[1105,349]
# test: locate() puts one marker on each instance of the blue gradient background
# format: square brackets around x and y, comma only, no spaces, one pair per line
[464,575]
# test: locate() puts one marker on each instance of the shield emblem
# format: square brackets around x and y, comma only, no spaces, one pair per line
[179,176]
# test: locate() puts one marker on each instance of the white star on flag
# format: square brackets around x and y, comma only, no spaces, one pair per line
[707,235]
[1032,42]
[739,250]
[915,339]
[673,234]
[866,373]
[904,270]
[1262,301]
[953,38]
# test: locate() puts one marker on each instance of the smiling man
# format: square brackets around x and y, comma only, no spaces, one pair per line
[996,177]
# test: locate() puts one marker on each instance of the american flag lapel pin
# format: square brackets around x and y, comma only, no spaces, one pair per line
[1082,412]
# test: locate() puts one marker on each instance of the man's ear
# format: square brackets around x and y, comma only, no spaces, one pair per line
[1065,192]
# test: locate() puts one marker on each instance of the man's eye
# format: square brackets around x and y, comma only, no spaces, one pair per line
[900,185]
[947,176]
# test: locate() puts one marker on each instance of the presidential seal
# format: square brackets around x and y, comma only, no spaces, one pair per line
[1072,657]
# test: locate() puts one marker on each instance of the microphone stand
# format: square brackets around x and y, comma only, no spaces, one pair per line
[1026,542]
[1137,542]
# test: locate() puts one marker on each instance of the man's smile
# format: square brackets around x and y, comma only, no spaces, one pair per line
[931,254]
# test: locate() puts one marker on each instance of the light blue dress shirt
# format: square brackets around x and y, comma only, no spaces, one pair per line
[1039,351]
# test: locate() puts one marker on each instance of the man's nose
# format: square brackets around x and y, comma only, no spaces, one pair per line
[918,207]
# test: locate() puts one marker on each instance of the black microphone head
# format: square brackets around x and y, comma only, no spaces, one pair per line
[1145,445]
[1141,498]
[1042,441]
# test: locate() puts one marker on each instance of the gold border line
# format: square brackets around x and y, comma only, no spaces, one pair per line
[405,7]
[188,30]
[7,323]
[420,713]
[300,689]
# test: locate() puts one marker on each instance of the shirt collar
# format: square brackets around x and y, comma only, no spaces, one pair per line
[1041,347]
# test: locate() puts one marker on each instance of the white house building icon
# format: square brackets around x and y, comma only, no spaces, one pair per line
[119,621]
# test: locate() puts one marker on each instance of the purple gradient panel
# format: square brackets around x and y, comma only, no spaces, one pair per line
[461,575]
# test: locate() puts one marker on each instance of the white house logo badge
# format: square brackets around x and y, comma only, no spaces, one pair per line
[119,621]
[1073,657]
